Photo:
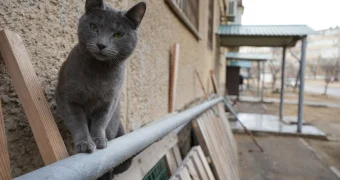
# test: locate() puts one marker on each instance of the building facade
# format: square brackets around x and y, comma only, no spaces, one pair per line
[48,29]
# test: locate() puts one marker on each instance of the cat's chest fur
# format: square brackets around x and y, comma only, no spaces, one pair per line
[91,83]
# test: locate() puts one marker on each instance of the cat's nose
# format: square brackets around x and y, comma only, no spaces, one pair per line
[101,46]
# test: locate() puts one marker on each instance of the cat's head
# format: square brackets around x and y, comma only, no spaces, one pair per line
[107,33]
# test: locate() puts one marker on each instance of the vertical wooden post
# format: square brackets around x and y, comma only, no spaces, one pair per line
[214,82]
[173,76]
[5,169]
[26,84]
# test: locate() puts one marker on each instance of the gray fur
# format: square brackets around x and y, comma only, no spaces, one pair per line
[90,80]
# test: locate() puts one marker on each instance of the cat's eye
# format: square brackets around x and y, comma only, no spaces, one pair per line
[94,27]
[118,35]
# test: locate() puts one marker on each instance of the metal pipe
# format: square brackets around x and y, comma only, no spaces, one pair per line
[91,166]
[302,83]
[263,75]
[258,78]
[283,73]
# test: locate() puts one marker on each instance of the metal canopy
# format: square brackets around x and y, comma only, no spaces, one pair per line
[262,35]
[247,56]
[271,36]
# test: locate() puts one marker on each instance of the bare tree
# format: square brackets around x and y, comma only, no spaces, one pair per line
[313,67]
[329,67]
[274,65]
[274,71]
[295,56]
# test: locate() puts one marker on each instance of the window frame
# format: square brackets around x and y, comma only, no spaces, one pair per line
[211,23]
[183,17]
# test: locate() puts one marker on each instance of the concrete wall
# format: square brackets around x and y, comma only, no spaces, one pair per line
[48,29]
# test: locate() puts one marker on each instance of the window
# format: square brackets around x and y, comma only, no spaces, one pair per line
[187,11]
[159,172]
[211,24]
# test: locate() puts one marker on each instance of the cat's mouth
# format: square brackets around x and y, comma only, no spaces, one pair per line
[100,56]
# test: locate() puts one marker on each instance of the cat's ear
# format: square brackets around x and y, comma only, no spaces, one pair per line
[93,4]
[136,14]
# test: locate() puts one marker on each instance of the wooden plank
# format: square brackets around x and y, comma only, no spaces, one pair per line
[196,165]
[210,145]
[171,161]
[200,136]
[192,170]
[148,158]
[199,166]
[224,150]
[177,154]
[205,163]
[219,142]
[5,168]
[26,84]
[214,82]
[184,174]
[173,76]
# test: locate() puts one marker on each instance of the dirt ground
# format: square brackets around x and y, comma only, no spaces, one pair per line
[322,83]
[327,152]
[291,94]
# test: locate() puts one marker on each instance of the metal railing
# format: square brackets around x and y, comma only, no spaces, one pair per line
[90,166]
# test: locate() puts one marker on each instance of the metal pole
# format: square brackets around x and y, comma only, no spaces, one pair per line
[283,73]
[258,78]
[91,166]
[263,74]
[248,84]
[302,83]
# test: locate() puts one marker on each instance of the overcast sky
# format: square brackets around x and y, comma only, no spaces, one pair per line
[318,14]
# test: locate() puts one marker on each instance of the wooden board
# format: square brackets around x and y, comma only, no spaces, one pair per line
[148,158]
[214,82]
[5,168]
[26,84]
[220,143]
[173,76]
[194,167]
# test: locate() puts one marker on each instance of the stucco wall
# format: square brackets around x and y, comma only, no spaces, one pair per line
[48,29]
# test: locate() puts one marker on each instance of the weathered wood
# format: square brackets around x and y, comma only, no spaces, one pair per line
[205,163]
[194,166]
[214,82]
[177,154]
[184,174]
[5,168]
[26,84]
[171,161]
[148,158]
[173,76]
[192,170]
[201,83]
[199,166]
[221,145]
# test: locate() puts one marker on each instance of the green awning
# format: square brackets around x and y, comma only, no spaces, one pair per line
[262,35]
[247,56]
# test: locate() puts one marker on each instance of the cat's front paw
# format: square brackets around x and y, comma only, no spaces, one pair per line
[101,143]
[85,147]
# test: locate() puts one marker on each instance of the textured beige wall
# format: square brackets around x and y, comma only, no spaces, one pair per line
[148,70]
[48,29]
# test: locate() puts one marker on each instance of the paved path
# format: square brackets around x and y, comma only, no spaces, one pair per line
[332,91]
[283,158]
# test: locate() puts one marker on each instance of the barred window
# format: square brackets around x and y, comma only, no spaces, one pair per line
[188,12]
[211,24]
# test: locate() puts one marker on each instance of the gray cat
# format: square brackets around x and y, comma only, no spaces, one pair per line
[89,83]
